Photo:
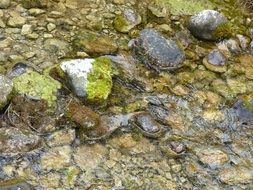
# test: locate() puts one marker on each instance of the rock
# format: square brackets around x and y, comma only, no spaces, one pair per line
[62,137]
[95,44]
[56,158]
[236,175]
[5,4]
[6,91]
[236,86]
[172,148]
[17,70]
[212,157]
[124,23]
[56,45]
[156,51]
[37,86]
[244,41]
[146,124]
[15,141]
[16,20]
[34,3]
[88,157]
[209,25]
[15,184]
[215,61]
[90,78]
[26,29]
[84,117]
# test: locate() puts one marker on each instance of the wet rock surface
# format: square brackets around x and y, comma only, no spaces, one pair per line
[205,25]
[172,122]
[6,89]
[157,52]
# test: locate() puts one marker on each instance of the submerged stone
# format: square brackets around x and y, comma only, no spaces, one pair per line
[6,89]
[209,25]
[94,44]
[215,61]
[157,52]
[37,86]
[124,23]
[90,78]
[15,141]
[146,124]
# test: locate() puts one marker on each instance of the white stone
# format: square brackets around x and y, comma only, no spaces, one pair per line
[78,70]
[26,29]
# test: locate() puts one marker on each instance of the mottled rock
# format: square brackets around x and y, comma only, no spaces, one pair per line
[124,23]
[56,158]
[16,20]
[215,61]
[209,25]
[88,157]
[6,90]
[157,52]
[15,141]
[15,184]
[236,175]
[213,157]
[5,4]
[34,3]
[62,137]
[90,78]
[158,9]
[56,45]
[95,44]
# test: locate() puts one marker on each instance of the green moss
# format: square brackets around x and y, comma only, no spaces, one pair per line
[187,7]
[38,86]
[120,23]
[100,80]
[224,31]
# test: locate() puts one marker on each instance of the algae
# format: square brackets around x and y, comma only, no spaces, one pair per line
[100,80]
[187,7]
[37,86]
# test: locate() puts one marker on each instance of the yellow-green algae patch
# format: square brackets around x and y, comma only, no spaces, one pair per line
[187,7]
[38,86]
[100,80]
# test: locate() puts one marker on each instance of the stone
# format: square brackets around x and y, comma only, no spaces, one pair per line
[157,52]
[56,45]
[90,78]
[26,29]
[5,4]
[62,137]
[124,23]
[94,44]
[28,4]
[51,27]
[215,61]
[37,86]
[213,157]
[16,20]
[17,141]
[236,175]
[158,9]
[88,157]
[56,158]
[6,91]
[209,25]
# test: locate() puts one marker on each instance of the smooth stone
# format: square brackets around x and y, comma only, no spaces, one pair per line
[5,4]
[156,51]
[15,141]
[204,24]
[215,61]
[6,89]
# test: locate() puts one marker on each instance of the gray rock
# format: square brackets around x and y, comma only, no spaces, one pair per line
[6,89]
[216,58]
[157,52]
[5,4]
[204,24]
[15,141]
[16,20]
[124,23]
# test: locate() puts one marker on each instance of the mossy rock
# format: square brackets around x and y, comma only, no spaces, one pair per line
[100,80]
[37,86]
